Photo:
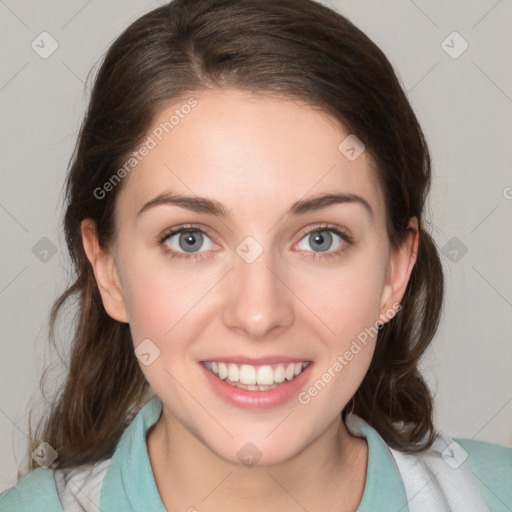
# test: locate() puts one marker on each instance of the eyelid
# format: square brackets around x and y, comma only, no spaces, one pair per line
[306,231]
[341,232]
[338,230]
[184,227]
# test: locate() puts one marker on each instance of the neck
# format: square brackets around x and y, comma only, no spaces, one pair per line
[331,469]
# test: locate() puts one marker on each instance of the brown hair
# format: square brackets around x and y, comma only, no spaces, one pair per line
[293,48]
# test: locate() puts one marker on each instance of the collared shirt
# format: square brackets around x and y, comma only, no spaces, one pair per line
[454,475]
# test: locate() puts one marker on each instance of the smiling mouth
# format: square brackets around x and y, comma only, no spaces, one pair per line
[256,378]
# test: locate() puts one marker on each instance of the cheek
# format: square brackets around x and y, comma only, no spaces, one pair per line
[345,297]
[157,310]
[146,304]
[162,296]
[346,301]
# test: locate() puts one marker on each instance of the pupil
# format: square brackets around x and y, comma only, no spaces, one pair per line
[191,241]
[319,237]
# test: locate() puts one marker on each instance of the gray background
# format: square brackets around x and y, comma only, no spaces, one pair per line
[464,105]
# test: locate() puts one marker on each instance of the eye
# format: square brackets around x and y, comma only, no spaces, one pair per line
[321,239]
[185,242]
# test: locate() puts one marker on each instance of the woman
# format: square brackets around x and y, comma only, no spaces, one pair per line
[220,359]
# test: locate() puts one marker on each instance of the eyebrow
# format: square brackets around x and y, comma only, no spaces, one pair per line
[212,207]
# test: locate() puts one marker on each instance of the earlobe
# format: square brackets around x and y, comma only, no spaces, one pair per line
[105,272]
[401,264]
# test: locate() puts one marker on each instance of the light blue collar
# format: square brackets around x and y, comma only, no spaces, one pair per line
[129,483]
[384,488]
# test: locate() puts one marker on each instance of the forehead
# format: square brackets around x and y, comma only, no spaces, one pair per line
[247,151]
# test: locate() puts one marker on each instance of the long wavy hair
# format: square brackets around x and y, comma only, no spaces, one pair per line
[298,49]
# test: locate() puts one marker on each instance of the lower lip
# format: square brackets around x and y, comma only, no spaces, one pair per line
[257,399]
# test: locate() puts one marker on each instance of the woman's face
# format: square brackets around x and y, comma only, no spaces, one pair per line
[252,285]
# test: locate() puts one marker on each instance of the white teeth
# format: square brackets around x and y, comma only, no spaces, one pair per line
[290,371]
[265,376]
[223,371]
[255,378]
[247,374]
[233,372]
[279,375]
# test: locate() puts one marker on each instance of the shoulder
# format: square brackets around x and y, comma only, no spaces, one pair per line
[462,473]
[34,492]
[76,488]
[79,487]
[491,464]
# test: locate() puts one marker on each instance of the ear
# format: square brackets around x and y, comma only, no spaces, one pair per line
[105,272]
[401,263]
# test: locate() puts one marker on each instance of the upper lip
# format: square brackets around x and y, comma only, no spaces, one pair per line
[256,361]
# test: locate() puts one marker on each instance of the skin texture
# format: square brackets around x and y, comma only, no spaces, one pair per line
[256,155]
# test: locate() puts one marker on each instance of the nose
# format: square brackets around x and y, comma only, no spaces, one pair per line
[258,301]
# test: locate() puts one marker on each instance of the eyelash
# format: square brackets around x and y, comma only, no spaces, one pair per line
[348,239]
